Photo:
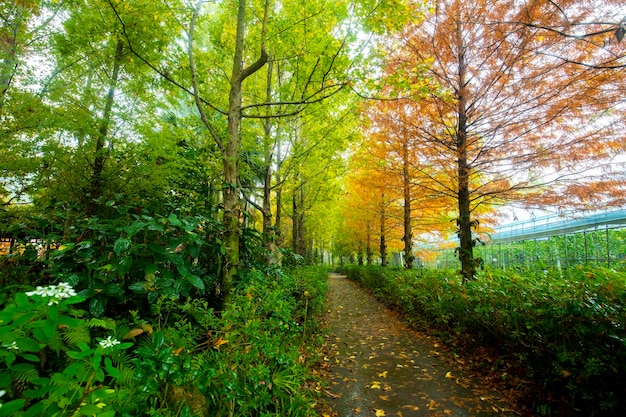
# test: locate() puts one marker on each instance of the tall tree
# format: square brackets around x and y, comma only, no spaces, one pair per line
[246,44]
[510,121]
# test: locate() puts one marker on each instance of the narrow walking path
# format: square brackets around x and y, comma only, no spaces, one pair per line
[379,367]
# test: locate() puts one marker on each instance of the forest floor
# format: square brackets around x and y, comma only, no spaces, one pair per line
[375,365]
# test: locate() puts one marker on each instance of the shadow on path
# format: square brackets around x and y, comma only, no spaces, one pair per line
[380,367]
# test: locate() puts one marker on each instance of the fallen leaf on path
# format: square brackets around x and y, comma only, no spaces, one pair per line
[449,375]
[380,413]
[375,385]
[383,374]
[357,410]
[411,407]
[384,397]
[432,405]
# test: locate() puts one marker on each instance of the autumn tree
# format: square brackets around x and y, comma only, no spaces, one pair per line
[371,208]
[510,121]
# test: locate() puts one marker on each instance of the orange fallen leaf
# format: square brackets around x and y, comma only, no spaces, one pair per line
[432,404]
[384,397]
[133,333]
[219,342]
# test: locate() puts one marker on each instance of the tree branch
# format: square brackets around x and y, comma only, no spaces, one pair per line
[194,79]
[161,73]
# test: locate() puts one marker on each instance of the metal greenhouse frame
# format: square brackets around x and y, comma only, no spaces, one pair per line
[553,241]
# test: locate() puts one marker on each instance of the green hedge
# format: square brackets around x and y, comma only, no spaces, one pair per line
[567,326]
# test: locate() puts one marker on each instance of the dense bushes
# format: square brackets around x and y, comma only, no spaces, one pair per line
[566,326]
[178,359]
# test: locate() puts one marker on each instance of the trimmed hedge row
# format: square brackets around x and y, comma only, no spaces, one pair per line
[567,326]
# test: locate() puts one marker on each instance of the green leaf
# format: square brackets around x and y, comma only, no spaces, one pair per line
[65,247]
[27,344]
[114,372]
[158,339]
[89,410]
[196,281]
[8,409]
[78,355]
[173,219]
[49,328]
[121,245]
[151,269]
[158,249]
[22,367]
[96,306]
[124,265]
[30,357]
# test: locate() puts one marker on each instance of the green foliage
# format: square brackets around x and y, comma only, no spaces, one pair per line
[47,367]
[567,326]
[126,260]
[252,358]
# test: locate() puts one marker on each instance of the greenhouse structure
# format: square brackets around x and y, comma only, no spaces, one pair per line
[550,241]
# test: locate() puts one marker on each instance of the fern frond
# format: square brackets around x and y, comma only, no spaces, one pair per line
[107,324]
[73,336]
[55,343]
[26,375]
[127,377]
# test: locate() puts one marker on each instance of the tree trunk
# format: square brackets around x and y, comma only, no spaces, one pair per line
[383,242]
[464,221]
[368,248]
[230,154]
[100,155]
[408,233]
[298,232]
[267,177]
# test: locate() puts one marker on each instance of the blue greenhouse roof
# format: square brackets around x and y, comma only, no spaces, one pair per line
[554,225]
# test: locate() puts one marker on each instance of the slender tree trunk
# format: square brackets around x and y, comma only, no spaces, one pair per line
[383,242]
[279,214]
[408,232]
[464,221]
[100,155]
[230,154]
[368,249]
[267,177]
[298,232]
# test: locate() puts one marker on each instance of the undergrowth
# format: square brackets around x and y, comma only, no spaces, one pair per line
[181,358]
[567,327]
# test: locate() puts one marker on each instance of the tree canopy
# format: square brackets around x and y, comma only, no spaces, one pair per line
[353,128]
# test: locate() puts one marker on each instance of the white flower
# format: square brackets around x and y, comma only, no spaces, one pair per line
[12,346]
[2,392]
[109,342]
[57,292]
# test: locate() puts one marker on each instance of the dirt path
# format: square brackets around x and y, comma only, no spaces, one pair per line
[379,367]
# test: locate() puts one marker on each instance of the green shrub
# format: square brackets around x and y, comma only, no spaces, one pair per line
[251,359]
[48,365]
